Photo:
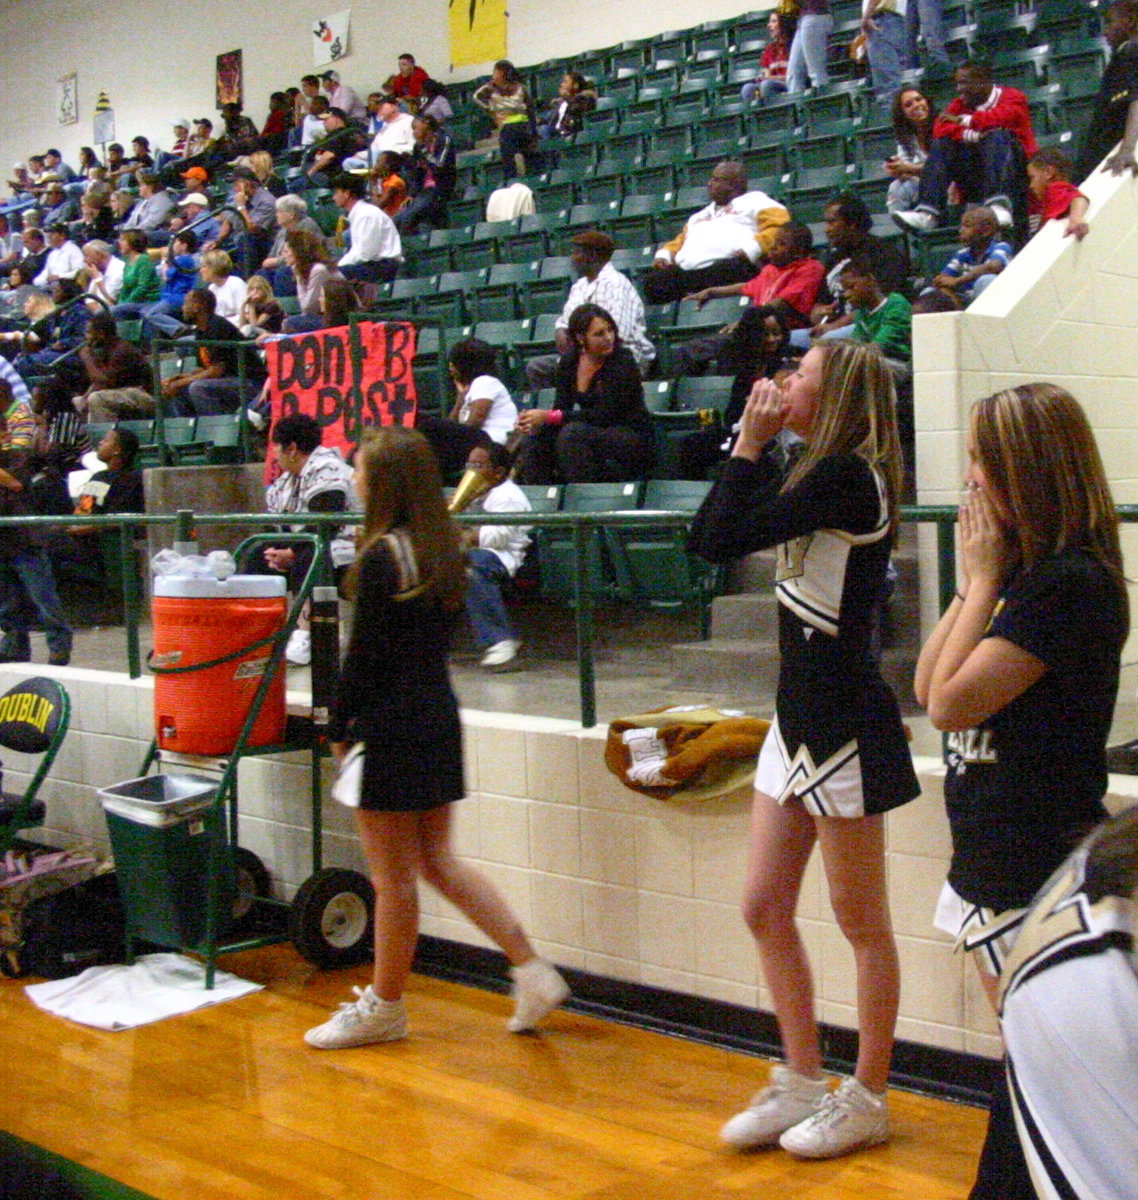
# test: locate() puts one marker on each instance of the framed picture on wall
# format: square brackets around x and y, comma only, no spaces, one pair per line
[67,99]
[230,82]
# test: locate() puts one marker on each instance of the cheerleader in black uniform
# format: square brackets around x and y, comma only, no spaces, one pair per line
[395,730]
[836,757]
[1022,672]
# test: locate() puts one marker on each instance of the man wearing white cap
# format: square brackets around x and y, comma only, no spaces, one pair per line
[193,212]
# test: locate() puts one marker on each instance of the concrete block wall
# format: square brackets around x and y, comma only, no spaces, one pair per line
[1062,311]
[607,880]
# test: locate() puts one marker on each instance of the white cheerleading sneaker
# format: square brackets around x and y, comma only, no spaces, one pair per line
[787,1100]
[538,989]
[360,1022]
[851,1118]
[299,648]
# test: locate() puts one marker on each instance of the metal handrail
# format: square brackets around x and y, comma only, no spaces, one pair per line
[944,517]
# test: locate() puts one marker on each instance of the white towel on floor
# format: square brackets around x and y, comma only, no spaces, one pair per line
[156,986]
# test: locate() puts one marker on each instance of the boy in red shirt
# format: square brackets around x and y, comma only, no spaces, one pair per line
[1054,195]
[790,280]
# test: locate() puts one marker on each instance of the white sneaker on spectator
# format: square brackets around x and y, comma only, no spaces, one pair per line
[918,219]
[538,989]
[360,1022]
[299,648]
[1002,214]
[255,417]
[789,1099]
[501,653]
[850,1118]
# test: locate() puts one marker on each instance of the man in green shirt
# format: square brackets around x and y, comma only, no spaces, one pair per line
[884,319]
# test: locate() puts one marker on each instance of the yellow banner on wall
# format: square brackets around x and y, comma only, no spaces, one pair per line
[477,31]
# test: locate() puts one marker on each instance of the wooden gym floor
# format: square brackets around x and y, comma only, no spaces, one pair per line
[228,1103]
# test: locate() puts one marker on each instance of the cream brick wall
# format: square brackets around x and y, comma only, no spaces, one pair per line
[607,880]
[1062,311]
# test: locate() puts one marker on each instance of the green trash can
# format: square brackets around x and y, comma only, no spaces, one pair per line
[162,828]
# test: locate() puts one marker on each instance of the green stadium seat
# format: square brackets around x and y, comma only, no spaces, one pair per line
[833,102]
[504,336]
[659,394]
[702,393]
[555,546]
[634,261]
[531,241]
[543,497]
[594,216]
[1023,69]
[603,184]
[474,256]
[691,321]
[541,340]
[1000,32]
[655,172]
[767,155]
[653,566]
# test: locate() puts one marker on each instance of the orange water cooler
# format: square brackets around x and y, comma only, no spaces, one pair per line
[200,620]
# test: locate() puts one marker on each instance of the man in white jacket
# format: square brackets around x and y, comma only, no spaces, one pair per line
[721,243]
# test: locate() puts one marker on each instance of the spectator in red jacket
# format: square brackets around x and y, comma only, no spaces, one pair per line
[407,82]
[981,143]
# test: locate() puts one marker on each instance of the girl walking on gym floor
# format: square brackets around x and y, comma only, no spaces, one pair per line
[395,730]
[835,759]
[1022,672]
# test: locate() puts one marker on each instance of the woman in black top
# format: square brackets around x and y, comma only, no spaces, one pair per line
[758,348]
[600,430]
[395,730]
[835,759]
[1022,670]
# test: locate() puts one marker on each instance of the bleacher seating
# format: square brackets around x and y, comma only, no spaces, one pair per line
[669,109]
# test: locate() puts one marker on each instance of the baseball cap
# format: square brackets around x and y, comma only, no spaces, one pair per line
[198,174]
[194,198]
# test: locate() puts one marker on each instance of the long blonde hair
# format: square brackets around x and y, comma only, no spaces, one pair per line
[405,491]
[857,414]
[1038,453]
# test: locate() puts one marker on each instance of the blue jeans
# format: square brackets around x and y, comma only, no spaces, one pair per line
[210,397]
[380,270]
[281,278]
[926,18]
[131,310]
[763,88]
[25,577]
[989,171]
[161,319]
[800,339]
[888,52]
[484,604]
[302,323]
[807,64]
[425,209]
